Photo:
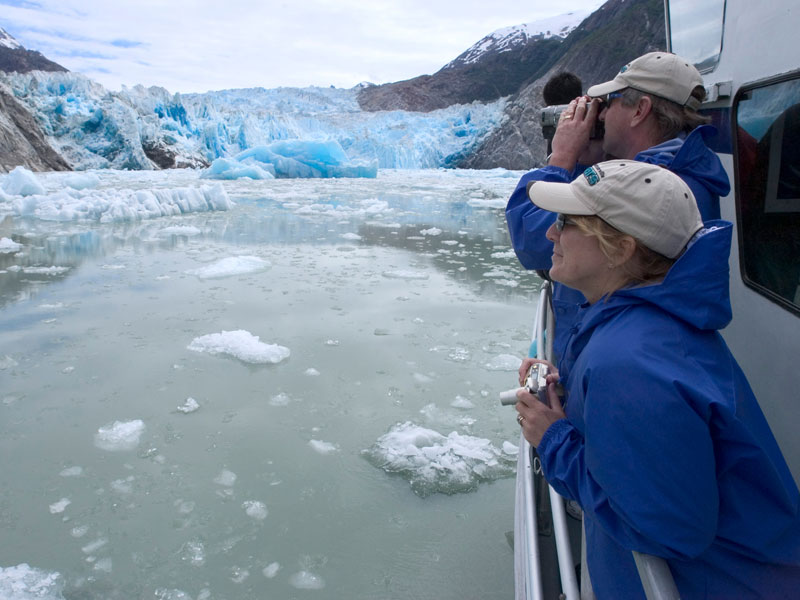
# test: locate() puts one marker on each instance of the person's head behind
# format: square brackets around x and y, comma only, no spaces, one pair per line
[561,88]
[662,87]
[621,223]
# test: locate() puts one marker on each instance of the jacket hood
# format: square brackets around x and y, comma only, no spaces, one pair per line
[690,156]
[695,290]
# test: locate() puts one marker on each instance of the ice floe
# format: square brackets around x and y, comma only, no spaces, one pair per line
[23,582]
[323,447]
[435,463]
[504,362]
[240,344]
[119,435]
[255,509]
[189,406]
[305,580]
[9,246]
[234,265]
[120,205]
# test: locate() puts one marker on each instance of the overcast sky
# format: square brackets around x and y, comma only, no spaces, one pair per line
[202,45]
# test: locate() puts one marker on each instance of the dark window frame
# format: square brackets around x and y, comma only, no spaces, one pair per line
[750,283]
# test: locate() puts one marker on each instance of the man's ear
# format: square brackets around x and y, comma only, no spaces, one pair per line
[644,106]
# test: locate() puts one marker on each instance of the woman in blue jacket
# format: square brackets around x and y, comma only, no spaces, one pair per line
[660,439]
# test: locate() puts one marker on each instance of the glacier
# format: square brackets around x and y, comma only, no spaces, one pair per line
[282,132]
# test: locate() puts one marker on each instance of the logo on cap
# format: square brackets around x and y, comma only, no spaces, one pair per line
[593,175]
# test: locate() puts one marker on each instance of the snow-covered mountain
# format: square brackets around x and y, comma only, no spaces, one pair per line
[7,41]
[14,57]
[509,38]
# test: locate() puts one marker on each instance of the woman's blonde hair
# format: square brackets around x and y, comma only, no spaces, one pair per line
[646,266]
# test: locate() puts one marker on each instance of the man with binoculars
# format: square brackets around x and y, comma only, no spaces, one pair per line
[649,113]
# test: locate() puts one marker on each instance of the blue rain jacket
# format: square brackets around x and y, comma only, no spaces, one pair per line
[688,157]
[664,445]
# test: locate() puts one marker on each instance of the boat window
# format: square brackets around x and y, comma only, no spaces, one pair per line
[768,202]
[695,28]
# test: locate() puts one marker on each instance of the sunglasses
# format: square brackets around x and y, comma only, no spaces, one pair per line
[612,96]
[562,221]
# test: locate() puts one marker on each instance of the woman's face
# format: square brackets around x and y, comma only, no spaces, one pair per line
[578,261]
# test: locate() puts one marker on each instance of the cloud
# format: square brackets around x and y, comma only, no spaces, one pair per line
[201,45]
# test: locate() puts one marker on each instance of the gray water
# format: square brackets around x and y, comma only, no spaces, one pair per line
[400,302]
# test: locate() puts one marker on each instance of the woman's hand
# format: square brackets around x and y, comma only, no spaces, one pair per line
[529,362]
[534,416]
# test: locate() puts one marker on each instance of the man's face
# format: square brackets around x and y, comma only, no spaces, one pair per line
[617,119]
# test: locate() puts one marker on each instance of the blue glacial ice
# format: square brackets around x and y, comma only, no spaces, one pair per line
[308,132]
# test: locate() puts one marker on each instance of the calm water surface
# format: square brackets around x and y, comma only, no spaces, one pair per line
[400,302]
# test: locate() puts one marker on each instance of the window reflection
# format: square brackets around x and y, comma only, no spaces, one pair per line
[696,31]
[768,162]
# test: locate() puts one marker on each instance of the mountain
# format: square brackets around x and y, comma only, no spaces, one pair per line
[15,58]
[496,66]
[594,51]
[480,111]
[22,141]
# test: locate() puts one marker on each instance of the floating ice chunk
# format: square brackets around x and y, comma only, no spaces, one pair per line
[255,509]
[434,463]
[281,399]
[433,231]
[123,486]
[94,546]
[119,435]
[323,447]
[511,449]
[505,254]
[234,265]
[72,472]
[487,203]
[189,406]
[79,531]
[230,168]
[104,565]
[305,580]
[436,415]
[351,236]
[238,574]
[187,230]
[311,372]
[122,205]
[405,274]
[82,181]
[60,506]
[311,159]
[225,478]
[22,182]
[240,344]
[44,270]
[9,246]
[461,402]
[194,552]
[24,582]
[507,282]
[171,594]
[271,570]
[504,362]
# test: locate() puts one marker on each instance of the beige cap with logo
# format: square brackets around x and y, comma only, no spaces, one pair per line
[648,202]
[658,73]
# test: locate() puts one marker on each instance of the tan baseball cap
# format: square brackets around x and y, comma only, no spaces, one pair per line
[648,202]
[658,73]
